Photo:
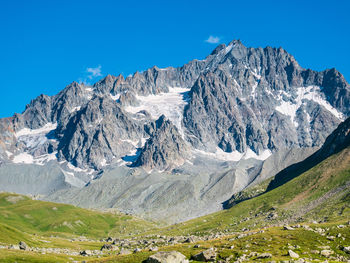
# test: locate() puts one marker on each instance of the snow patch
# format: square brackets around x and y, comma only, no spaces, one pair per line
[251,154]
[171,104]
[311,93]
[23,158]
[45,129]
[115,97]
[27,158]
[235,156]
[103,162]
[75,109]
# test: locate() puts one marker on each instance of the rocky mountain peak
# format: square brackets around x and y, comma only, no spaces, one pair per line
[165,149]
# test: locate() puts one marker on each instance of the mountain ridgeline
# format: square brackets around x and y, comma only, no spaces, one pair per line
[220,124]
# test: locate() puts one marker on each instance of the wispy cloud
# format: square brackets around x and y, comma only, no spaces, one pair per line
[213,40]
[94,72]
[90,74]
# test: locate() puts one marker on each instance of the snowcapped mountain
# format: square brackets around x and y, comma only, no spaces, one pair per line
[165,140]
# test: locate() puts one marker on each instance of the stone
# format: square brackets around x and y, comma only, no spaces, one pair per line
[292,254]
[206,255]
[86,253]
[167,257]
[265,255]
[288,228]
[346,249]
[22,245]
[106,247]
[326,253]
[124,251]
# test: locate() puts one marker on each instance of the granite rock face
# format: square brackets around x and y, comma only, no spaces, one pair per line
[165,149]
[238,116]
[261,99]
[96,134]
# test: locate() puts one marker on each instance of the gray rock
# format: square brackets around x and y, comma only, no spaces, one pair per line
[124,251]
[292,254]
[86,253]
[167,257]
[326,253]
[206,255]
[265,255]
[165,149]
[22,245]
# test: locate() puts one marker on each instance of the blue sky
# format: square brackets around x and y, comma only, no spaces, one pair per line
[45,45]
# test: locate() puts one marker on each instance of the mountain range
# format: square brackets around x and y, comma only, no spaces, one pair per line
[175,143]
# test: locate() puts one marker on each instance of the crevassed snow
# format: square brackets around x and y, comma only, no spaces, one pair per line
[41,160]
[235,156]
[171,104]
[23,158]
[29,159]
[45,129]
[312,93]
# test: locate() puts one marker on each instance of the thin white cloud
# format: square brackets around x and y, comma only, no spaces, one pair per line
[213,40]
[94,72]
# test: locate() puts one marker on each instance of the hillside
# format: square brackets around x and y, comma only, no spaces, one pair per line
[321,195]
[173,143]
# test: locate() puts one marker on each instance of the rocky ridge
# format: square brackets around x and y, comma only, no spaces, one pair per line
[238,111]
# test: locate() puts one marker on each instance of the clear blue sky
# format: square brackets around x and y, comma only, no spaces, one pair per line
[47,44]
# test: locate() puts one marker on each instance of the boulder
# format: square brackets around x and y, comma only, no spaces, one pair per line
[326,253]
[346,249]
[206,255]
[124,251]
[265,255]
[86,253]
[107,247]
[22,245]
[292,254]
[167,257]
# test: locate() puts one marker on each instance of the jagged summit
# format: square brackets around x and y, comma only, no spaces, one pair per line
[225,120]
[165,149]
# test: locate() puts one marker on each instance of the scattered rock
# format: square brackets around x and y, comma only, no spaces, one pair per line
[124,251]
[167,257]
[206,255]
[332,238]
[288,228]
[292,254]
[346,249]
[326,253]
[22,245]
[136,250]
[265,255]
[86,253]
[14,247]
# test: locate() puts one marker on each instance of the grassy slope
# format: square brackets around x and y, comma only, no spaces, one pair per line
[321,193]
[21,217]
[303,198]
